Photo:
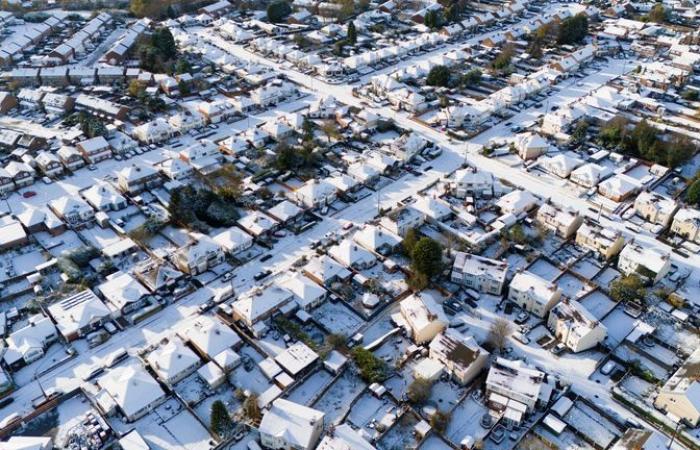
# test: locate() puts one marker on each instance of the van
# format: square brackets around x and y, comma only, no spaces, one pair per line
[9,420]
[116,357]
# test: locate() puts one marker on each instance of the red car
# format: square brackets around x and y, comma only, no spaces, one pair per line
[29,194]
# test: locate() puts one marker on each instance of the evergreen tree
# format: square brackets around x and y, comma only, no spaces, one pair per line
[352,34]
[220,420]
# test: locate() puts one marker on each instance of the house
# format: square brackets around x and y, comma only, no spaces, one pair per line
[563,221]
[516,202]
[203,156]
[155,131]
[103,197]
[352,255]
[288,425]
[530,145]
[560,165]
[316,193]
[589,175]
[655,208]
[70,157]
[258,224]
[95,150]
[343,437]
[519,382]
[422,316]
[461,355]
[158,276]
[7,102]
[575,326]
[686,223]
[325,271]
[479,273]
[27,344]
[434,209]
[49,164]
[28,443]
[603,241]
[173,362]
[307,294]
[6,183]
[101,108]
[533,293]
[466,182]
[377,239]
[680,395]
[133,390]
[135,179]
[402,219]
[199,255]
[209,336]
[187,120]
[11,233]
[297,359]
[260,303]
[216,111]
[233,240]
[285,212]
[618,188]
[79,314]
[646,262]
[22,174]
[73,210]
[124,295]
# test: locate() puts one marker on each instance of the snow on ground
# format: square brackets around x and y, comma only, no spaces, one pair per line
[337,399]
[305,392]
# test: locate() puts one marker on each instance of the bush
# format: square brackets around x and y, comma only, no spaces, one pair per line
[628,288]
[200,208]
[418,391]
[439,421]
[372,369]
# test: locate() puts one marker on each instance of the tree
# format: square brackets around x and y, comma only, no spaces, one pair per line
[330,129]
[580,132]
[417,281]
[251,410]
[418,391]
[409,241]
[277,11]
[658,14]
[471,78]
[372,369]
[438,76]
[433,19]
[347,9]
[220,421]
[502,61]
[352,34]
[162,39]
[628,288]
[135,88]
[573,30]
[426,257]
[693,194]
[499,331]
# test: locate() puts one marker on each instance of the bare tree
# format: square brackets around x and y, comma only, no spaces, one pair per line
[499,332]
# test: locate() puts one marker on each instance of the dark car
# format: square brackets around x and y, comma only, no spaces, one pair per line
[266,257]
[260,275]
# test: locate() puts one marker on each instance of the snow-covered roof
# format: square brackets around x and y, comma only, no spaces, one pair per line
[132,388]
[292,423]
[77,311]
